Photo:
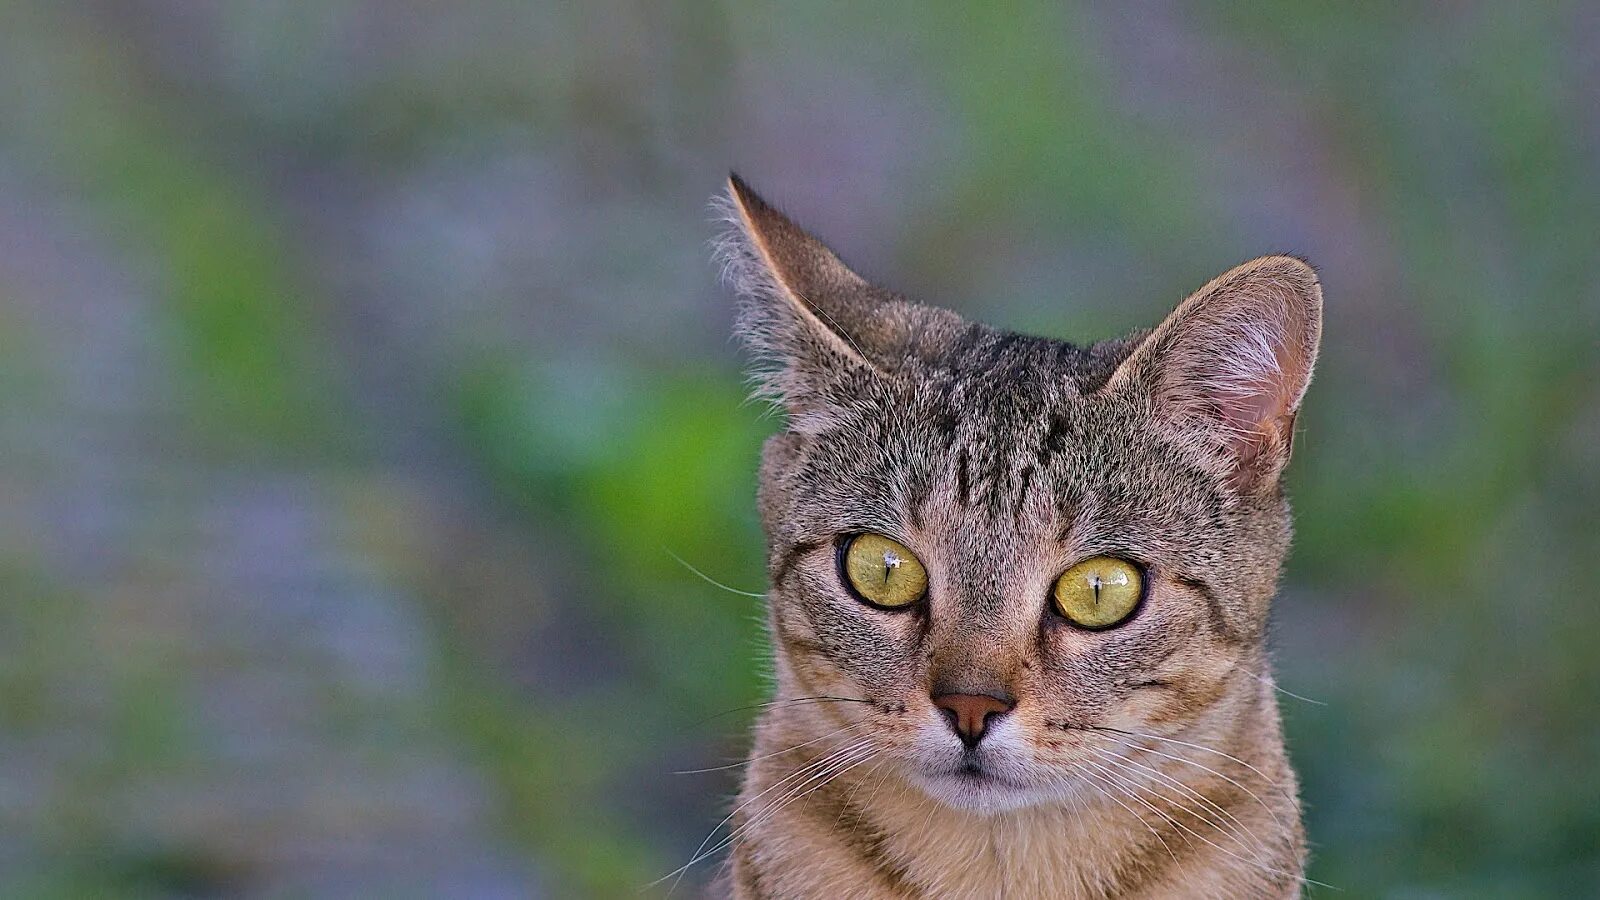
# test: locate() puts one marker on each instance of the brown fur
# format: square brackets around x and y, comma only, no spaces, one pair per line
[1145,760]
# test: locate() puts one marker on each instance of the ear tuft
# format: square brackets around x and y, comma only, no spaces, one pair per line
[1229,367]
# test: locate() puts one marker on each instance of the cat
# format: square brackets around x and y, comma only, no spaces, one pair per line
[1018,590]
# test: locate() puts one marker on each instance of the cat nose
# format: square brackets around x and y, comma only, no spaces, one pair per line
[969,714]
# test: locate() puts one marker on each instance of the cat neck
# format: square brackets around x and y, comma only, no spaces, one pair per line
[1211,814]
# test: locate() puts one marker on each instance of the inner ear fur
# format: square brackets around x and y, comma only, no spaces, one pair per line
[1228,368]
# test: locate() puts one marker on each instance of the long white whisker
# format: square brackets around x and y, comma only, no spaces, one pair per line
[850,798]
[1282,690]
[815,769]
[700,851]
[752,759]
[795,793]
[1236,832]
[1238,829]
[1214,845]
[1104,783]
[1201,747]
[791,701]
[712,581]
[1205,768]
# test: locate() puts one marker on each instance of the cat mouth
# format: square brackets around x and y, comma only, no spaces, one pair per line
[974,778]
[970,771]
[971,785]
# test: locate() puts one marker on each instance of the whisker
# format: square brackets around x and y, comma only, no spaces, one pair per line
[859,760]
[701,852]
[712,581]
[748,760]
[853,754]
[1101,781]
[811,769]
[1237,831]
[1201,747]
[1127,788]
[1214,845]
[1205,768]
[1282,690]
[1301,879]
[796,794]
[781,702]
[851,797]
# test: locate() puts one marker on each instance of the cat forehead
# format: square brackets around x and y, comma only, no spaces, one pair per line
[989,441]
[986,363]
[998,389]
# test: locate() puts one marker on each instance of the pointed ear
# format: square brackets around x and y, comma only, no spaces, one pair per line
[1227,369]
[810,320]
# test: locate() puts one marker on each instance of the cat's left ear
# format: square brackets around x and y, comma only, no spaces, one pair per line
[1227,369]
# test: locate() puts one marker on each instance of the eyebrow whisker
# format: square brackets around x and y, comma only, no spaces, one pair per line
[712,581]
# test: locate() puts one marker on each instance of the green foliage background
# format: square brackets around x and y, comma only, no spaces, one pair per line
[364,391]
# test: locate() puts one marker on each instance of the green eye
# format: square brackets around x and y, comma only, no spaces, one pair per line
[1099,592]
[882,571]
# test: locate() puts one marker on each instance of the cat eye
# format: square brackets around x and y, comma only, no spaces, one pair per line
[1099,592]
[881,572]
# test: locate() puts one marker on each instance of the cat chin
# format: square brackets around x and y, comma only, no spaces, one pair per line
[982,794]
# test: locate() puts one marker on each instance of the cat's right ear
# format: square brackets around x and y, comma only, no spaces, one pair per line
[817,328]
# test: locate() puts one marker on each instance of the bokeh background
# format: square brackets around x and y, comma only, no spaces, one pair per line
[363,380]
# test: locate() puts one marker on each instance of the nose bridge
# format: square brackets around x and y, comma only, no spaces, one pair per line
[976,655]
[980,634]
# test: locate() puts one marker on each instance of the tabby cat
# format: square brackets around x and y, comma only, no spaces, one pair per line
[1018,590]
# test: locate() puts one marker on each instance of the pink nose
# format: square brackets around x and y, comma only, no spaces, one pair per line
[969,714]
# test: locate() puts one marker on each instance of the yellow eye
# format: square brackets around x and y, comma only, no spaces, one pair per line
[1099,592]
[883,572]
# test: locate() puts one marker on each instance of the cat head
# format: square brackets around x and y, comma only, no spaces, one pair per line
[1010,546]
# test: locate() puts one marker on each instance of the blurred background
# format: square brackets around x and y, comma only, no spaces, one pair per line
[363,378]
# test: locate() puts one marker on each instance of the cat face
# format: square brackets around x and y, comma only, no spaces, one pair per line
[1144,470]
